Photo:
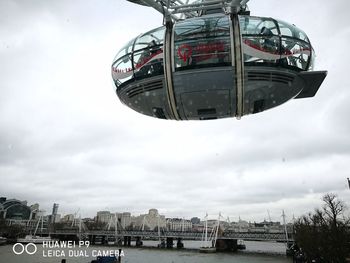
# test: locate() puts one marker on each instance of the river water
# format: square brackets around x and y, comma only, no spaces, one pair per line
[255,252]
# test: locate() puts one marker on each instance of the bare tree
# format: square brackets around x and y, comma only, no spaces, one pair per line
[333,207]
[324,234]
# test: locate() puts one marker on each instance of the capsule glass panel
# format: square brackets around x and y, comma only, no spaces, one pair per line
[296,49]
[296,53]
[148,54]
[127,49]
[261,49]
[202,42]
[151,38]
[122,70]
[258,26]
[268,42]
[289,30]
[261,41]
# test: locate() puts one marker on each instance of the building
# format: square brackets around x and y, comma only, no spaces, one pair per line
[149,221]
[88,220]
[178,224]
[195,220]
[35,211]
[124,219]
[67,218]
[104,217]
[211,223]
[54,217]
[240,226]
[13,209]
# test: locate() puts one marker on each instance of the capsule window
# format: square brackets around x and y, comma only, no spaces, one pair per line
[148,54]
[150,39]
[127,49]
[122,70]
[258,26]
[202,43]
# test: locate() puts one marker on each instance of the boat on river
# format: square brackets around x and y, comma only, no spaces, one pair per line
[106,259]
[3,240]
[34,239]
[241,245]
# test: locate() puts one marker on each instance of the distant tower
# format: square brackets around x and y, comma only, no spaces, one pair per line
[54,213]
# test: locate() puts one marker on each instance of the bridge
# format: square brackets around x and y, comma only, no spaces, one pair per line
[183,235]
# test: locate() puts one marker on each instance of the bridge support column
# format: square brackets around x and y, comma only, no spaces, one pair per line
[179,243]
[169,242]
[139,242]
[129,241]
[119,241]
[125,241]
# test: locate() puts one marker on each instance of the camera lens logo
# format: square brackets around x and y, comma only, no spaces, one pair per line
[29,248]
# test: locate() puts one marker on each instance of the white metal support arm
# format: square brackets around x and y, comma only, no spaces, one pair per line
[175,9]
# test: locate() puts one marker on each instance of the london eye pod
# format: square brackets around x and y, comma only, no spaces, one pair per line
[213,60]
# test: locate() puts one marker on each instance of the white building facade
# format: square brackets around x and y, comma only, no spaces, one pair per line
[178,224]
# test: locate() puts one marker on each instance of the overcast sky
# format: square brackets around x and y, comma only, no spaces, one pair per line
[66,138]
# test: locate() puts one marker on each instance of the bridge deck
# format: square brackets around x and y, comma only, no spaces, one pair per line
[258,236]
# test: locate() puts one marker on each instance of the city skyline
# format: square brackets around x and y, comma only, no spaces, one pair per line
[66,138]
[70,216]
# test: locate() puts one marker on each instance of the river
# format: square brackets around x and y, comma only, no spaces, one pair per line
[255,252]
